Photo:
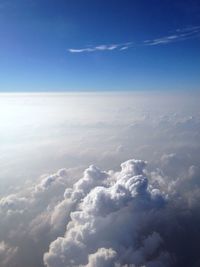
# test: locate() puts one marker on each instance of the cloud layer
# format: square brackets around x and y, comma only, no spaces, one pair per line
[139,214]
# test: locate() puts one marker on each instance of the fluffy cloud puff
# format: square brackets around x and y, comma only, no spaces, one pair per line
[132,217]
[110,224]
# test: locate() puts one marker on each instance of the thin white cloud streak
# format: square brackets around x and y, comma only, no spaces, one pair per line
[179,35]
[102,47]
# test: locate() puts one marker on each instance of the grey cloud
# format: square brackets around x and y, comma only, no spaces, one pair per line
[7,254]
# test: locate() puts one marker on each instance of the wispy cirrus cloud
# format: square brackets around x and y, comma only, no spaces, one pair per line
[178,35]
[102,47]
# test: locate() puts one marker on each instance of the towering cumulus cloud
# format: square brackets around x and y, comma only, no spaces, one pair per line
[112,221]
[133,217]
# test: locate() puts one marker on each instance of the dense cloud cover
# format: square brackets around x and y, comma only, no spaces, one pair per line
[144,213]
[130,217]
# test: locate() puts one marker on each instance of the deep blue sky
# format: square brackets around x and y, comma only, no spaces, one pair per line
[76,45]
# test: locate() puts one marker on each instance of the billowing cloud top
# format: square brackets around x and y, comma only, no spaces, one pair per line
[106,226]
[104,219]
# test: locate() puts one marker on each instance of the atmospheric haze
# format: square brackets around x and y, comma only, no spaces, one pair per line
[100,179]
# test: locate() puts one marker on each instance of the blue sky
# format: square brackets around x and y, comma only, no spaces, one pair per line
[99,45]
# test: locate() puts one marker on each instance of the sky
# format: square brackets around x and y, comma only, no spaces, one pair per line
[99,45]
